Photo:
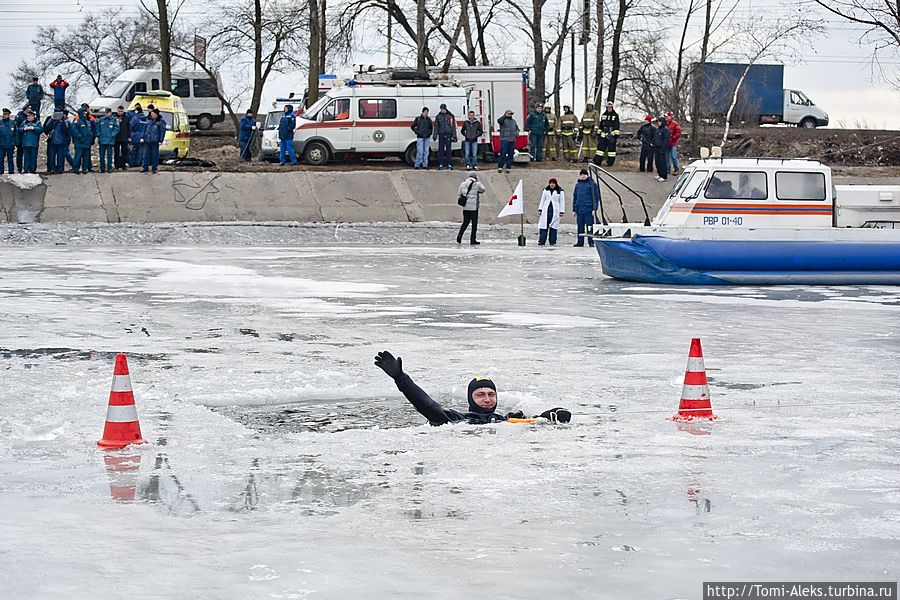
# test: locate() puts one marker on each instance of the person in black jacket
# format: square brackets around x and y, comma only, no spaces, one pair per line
[646,133]
[424,128]
[482,396]
[660,147]
[120,149]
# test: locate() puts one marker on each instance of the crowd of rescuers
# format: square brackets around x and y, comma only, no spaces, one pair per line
[481,395]
[125,139]
[132,138]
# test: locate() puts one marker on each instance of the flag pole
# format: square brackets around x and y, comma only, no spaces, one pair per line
[522,230]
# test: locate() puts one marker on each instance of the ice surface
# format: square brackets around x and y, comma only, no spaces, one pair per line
[283,464]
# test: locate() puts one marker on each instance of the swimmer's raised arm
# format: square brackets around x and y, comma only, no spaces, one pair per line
[421,401]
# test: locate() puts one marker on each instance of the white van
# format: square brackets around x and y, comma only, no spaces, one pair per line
[195,88]
[270,140]
[371,119]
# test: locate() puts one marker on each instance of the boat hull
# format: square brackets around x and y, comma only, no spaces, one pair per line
[680,261]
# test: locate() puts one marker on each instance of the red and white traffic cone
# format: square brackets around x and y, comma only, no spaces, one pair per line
[122,426]
[123,475]
[695,403]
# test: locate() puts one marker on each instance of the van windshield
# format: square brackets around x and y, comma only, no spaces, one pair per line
[313,110]
[272,119]
[116,89]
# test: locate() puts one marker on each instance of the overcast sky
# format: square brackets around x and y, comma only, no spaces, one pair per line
[834,72]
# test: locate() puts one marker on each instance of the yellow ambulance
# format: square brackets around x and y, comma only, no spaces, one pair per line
[178,129]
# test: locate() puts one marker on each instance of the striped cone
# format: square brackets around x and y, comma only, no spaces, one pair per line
[123,475]
[695,402]
[122,426]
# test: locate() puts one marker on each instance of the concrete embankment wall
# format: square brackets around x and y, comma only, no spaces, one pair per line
[302,196]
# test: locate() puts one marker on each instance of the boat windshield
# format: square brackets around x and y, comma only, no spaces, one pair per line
[691,189]
[685,175]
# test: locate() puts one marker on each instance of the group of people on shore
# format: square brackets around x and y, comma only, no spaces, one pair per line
[125,138]
[551,208]
[659,145]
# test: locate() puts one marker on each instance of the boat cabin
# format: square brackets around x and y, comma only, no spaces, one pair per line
[766,192]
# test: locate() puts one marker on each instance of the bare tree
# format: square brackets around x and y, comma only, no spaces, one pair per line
[91,53]
[881,20]
[698,79]
[166,16]
[760,39]
[615,51]
[532,23]
[261,37]
[316,51]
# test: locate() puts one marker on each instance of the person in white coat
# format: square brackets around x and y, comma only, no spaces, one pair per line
[470,189]
[551,208]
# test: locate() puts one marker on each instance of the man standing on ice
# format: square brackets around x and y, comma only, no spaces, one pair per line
[482,396]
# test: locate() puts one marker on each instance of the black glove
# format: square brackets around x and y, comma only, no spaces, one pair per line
[390,365]
[557,415]
[515,415]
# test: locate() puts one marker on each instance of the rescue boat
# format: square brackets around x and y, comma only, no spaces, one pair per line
[733,221]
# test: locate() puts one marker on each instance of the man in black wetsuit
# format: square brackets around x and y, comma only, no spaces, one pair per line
[482,395]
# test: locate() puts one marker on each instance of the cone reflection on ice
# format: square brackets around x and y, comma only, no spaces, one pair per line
[122,427]
[695,402]
[123,474]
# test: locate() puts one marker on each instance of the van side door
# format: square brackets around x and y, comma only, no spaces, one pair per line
[376,128]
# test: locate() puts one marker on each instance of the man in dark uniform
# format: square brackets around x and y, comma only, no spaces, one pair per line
[482,396]
[609,133]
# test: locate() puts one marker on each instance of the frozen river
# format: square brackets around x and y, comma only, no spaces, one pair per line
[283,464]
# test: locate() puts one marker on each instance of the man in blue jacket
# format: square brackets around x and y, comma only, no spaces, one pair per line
[286,128]
[154,134]
[537,125]
[108,129]
[34,93]
[7,141]
[57,130]
[20,152]
[59,86]
[30,131]
[247,127]
[138,123]
[83,137]
[585,200]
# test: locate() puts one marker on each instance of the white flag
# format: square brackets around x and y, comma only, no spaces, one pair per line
[515,206]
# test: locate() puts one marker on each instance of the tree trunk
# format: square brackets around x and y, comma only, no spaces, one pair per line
[165,40]
[323,36]
[615,55]
[540,65]
[680,68]
[557,72]
[467,35]
[315,45]
[698,79]
[420,36]
[257,57]
[734,99]
[482,47]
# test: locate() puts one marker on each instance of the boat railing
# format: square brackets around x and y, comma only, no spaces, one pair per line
[601,176]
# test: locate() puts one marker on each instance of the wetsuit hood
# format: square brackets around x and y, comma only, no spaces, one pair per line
[476,383]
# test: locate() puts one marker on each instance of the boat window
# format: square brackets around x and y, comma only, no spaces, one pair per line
[799,186]
[742,185]
[685,175]
[692,188]
[378,109]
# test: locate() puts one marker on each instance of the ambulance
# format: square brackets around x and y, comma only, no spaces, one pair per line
[371,119]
